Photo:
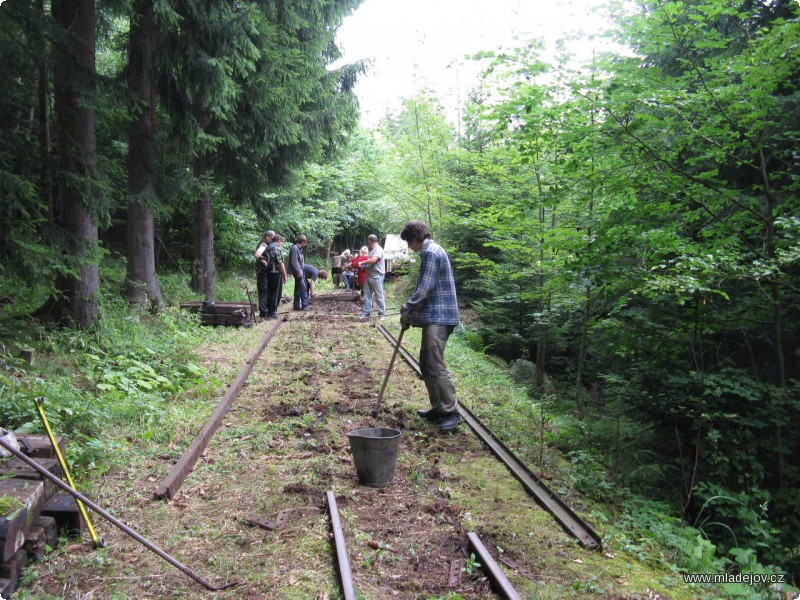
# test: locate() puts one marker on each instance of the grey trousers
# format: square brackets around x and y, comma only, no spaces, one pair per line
[441,391]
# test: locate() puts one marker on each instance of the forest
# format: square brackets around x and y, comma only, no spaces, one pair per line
[625,232]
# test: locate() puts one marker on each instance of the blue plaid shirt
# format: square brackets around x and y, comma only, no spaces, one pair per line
[434,300]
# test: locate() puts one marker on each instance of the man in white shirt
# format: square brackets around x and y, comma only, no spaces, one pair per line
[376,270]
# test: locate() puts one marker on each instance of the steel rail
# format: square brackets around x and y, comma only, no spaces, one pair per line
[491,568]
[345,574]
[543,495]
[114,521]
[172,482]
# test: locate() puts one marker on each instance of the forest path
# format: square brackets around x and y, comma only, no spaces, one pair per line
[283,444]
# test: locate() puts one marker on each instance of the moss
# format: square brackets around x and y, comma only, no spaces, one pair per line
[9,506]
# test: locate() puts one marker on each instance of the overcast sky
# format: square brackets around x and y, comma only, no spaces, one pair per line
[417,43]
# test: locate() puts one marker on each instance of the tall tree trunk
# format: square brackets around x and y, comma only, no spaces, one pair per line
[74,71]
[141,282]
[203,271]
[587,301]
[43,92]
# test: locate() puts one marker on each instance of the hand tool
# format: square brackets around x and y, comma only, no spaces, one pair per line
[377,407]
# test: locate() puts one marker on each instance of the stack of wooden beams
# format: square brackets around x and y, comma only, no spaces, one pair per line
[37,512]
[223,313]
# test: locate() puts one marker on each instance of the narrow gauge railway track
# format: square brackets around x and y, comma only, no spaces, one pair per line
[534,487]
[543,495]
[495,574]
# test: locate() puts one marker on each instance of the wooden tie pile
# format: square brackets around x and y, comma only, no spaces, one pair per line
[34,511]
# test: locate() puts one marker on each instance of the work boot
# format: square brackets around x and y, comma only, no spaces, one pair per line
[450,421]
[433,415]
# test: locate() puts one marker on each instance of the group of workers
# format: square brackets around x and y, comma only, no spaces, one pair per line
[365,271]
[273,270]
[433,306]
[348,269]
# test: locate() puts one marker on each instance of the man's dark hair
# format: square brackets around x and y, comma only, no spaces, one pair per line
[415,231]
[302,239]
[372,237]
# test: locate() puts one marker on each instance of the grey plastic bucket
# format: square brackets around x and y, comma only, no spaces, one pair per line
[375,454]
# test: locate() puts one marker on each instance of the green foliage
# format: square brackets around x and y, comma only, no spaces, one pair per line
[631,231]
[471,564]
[651,535]
[9,504]
[124,369]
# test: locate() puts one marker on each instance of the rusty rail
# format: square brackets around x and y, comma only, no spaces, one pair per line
[172,482]
[491,568]
[345,574]
[543,495]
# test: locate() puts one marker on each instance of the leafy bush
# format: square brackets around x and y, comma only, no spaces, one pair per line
[120,371]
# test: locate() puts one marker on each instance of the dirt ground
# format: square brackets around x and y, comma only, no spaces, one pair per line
[254,510]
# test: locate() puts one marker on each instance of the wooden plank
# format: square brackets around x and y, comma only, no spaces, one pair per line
[39,446]
[48,524]
[29,497]
[18,469]
[12,568]
[218,307]
[62,507]
[223,313]
[35,544]
[8,587]
[235,320]
[12,533]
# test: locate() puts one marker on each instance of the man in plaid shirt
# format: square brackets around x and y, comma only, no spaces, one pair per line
[434,307]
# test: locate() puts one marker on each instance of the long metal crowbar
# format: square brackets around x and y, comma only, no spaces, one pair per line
[113,520]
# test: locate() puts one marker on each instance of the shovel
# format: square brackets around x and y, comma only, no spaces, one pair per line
[374,411]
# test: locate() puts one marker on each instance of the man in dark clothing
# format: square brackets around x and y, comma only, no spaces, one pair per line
[262,271]
[312,273]
[434,307]
[297,261]
[276,276]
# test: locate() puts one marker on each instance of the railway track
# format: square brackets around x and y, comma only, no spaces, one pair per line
[535,488]
[538,490]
